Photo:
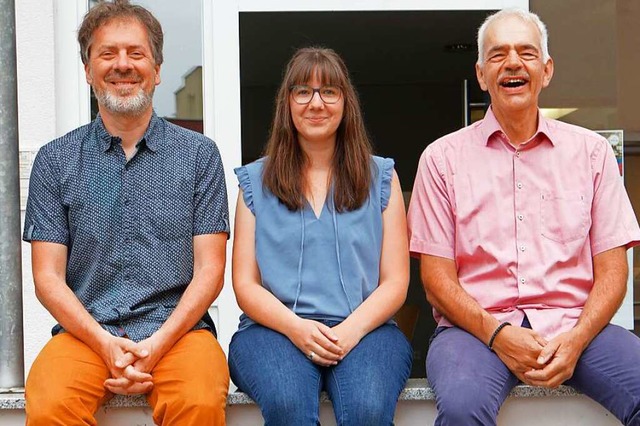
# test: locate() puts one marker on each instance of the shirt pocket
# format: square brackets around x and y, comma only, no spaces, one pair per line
[564,216]
[169,217]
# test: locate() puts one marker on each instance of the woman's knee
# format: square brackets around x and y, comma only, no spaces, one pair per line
[280,408]
[366,411]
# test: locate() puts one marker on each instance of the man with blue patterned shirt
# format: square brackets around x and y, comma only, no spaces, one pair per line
[128,221]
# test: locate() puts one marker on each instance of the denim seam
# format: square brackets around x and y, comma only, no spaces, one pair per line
[343,412]
[319,387]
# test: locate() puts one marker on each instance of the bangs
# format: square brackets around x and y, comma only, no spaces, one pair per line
[306,67]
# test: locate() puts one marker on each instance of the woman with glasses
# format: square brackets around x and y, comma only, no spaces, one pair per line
[320,259]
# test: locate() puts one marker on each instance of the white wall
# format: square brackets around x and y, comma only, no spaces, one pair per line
[37,125]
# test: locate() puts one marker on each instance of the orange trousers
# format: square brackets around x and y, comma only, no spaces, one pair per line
[65,383]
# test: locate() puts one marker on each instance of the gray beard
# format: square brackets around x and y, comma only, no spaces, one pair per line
[131,105]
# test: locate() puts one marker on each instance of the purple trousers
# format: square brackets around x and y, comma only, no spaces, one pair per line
[471,382]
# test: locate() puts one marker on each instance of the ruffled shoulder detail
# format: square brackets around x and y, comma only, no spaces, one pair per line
[244,182]
[385,170]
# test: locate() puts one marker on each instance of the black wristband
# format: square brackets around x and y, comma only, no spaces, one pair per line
[495,333]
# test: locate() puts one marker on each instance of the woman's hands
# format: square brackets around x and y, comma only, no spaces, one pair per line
[317,341]
[348,337]
[329,345]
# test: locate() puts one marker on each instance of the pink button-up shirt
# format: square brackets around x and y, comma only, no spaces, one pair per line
[521,223]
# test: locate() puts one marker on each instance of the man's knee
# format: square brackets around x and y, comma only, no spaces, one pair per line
[466,406]
[634,418]
[54,402]
[46,411]
[65,384]
[628,410]
[194,399]
[46,414]
[208,406]
[190,409]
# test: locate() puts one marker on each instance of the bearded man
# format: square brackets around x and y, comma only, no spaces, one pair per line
[128,222]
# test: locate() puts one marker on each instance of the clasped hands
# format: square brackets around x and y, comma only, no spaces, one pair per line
[536,361]
[326,345]
[130,364]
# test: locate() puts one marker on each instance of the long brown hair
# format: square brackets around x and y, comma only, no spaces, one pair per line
[285,161]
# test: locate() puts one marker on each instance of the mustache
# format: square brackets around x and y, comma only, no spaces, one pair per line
[129,75]
[511,74]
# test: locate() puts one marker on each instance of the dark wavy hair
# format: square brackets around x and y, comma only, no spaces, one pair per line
[104,12]
[285,161]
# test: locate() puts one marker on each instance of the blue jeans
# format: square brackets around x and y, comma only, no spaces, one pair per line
[363,387]
[471,382]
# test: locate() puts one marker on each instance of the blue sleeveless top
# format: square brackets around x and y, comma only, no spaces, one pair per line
[319,267]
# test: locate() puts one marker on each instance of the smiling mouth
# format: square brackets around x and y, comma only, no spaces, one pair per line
[513,82]
[124,78]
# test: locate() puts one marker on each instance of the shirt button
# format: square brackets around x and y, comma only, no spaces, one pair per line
[522,280]
[517,153]
[520,217]
[522,248]
[519,185]
[126,201]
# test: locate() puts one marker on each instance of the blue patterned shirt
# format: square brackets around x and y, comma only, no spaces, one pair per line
[128,225]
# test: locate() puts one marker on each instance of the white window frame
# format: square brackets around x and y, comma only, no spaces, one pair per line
[73,106]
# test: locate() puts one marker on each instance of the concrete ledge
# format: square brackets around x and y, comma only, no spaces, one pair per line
[416,390]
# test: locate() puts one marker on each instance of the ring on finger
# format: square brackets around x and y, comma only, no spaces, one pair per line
[311,355]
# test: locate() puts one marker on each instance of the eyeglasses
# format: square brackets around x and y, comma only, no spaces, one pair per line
[303,94]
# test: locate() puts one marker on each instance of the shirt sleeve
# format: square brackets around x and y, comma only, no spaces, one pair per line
[430,217]
[613,222]
[244,182]
[211,209]
[385,185]
[46,215]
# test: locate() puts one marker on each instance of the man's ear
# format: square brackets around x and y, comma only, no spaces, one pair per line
[157,77]
[87,74]
[548,73]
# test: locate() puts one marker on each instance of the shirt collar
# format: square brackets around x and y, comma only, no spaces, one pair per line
[152,137]
[489,126]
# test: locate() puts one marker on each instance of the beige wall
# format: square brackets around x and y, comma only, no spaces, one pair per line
[628,36]
[189,96]
[594,44]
